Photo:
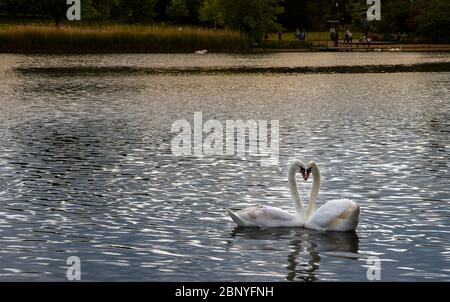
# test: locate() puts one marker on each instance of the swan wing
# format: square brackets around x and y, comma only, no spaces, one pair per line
[263,216]
[337,215]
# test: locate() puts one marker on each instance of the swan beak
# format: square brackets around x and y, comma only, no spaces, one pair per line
[306,176]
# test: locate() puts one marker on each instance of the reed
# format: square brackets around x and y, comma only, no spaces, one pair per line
[118,38]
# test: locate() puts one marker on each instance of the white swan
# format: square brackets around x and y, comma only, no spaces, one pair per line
[335,215]
[201,52]
[263,216]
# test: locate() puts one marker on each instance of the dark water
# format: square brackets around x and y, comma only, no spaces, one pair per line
[86,170]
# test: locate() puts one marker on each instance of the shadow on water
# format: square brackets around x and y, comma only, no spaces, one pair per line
[305,247]
[120,70]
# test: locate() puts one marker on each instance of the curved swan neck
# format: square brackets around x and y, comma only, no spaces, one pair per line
[314,190]
[294,191]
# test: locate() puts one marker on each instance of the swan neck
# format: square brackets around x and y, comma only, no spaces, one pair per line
[314,191]
[294,192]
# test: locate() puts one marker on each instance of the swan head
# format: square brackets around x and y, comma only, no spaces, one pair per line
[311,167]
[298,166]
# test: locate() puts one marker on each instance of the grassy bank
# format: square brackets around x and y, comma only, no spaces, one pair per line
[118,39]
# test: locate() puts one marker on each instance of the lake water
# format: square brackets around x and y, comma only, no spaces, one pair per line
[86,169]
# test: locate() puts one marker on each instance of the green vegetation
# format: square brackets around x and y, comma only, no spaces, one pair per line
[177,10]
[434,21]
[228,25]
[118,38]
[253,17]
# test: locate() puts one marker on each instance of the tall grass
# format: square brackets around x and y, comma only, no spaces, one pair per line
[118,38]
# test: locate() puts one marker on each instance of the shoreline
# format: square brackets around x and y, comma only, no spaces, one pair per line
[141,39]
[373,48]
[443,48]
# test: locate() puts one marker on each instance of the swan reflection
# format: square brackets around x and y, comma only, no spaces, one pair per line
[305,247]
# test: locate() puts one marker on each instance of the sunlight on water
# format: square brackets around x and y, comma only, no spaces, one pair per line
[86,169]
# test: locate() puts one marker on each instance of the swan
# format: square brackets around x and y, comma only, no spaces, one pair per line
[264,216]
[335,215]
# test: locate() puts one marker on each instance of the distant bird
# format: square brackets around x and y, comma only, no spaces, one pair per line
[201,52]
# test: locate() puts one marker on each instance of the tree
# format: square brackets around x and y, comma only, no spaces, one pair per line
[138,10]
[433,19]
[56,8]
[210,11]
[102,8]
[396,17]
[256,17]
[14,7]
[97,10]
[309,14]
[177,10]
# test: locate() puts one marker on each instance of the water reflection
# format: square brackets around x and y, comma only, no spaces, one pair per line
[86,169]
[305,247]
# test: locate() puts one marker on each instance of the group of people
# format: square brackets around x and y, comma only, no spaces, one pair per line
[301,35]
[334,36]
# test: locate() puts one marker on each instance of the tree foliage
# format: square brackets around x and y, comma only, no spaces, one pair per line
[256,17]
[138,10]
[210,12]
[429,18]
[433,19]
[177,10]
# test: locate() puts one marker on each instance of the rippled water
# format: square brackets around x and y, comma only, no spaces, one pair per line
[86,170]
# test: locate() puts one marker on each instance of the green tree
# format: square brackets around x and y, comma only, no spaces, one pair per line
[193,7]
[102,8]
[396,16]
[433,19]
[211,12]
[138,10]
[177,10]
[256,17]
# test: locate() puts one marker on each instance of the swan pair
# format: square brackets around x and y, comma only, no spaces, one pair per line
[335,215]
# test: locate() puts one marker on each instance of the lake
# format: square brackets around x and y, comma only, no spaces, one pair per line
[87,170]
